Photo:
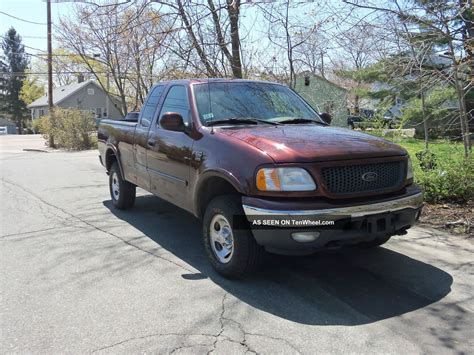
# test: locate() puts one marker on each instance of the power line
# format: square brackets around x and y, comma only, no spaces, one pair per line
[24,45]
[21,19]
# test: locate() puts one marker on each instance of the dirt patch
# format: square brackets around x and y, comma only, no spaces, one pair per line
[458,219]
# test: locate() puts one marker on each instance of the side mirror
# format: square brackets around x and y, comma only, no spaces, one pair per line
[172,121]
[326,117]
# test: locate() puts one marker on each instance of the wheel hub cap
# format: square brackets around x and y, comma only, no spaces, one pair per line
[222,239]
[115,186]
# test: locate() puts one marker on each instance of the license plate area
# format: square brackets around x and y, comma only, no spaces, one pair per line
[381,224]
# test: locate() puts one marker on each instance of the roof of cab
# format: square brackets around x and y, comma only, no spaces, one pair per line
[214,80]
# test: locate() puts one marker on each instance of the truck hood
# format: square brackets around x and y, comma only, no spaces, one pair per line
[308,143]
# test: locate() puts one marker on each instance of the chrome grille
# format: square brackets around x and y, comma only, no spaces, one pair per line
[351,179]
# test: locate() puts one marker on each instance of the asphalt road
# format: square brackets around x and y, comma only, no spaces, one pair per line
[78,276]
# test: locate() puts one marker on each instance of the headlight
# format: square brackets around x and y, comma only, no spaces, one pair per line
[409,169]
[284,179]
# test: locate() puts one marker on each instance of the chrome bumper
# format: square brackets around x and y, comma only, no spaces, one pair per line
[413,201]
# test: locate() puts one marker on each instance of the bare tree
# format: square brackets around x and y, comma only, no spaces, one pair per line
[122,42]
[357,47]
[287,32]
[213,33]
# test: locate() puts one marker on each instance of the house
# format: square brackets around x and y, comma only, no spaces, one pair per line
[84,95]
[10,126]
[324,96]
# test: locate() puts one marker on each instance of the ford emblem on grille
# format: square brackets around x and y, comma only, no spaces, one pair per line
[369,176]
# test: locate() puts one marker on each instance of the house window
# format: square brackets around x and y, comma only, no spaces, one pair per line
[90,91]
[41,112]
[98,112]
[306,80]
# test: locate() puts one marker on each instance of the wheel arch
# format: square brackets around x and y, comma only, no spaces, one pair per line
[111,156]
[211,185]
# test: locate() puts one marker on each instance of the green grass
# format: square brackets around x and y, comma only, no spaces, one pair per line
[446,152]
[451,180]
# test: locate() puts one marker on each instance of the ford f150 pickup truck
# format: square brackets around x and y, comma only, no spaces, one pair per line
[262,170]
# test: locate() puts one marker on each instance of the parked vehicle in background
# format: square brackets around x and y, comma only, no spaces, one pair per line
[3,130]
[131,117]
[367,118]
[261,169]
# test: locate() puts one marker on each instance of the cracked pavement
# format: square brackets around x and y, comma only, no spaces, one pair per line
[78,276]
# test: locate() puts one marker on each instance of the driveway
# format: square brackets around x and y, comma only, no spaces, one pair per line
[78,276]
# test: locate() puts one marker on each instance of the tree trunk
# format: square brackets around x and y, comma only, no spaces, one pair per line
[460,92]
[202,55]
[233,9]
[425,119]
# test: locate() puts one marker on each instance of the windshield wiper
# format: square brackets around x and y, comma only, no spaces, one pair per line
[300,120]
[240,120]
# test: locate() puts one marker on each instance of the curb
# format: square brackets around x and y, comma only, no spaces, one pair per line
[35,150]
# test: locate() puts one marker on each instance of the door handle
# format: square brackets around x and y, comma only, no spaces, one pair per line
[151,143]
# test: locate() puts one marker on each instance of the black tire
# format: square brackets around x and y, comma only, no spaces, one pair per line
[247,255]
[374,243]
[124,197]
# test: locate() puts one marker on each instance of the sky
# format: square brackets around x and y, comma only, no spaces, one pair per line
[33,35]
[28,17]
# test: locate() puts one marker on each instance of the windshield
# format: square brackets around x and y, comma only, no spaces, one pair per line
[263,101]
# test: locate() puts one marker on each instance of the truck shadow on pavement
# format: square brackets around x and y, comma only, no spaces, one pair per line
[345,287]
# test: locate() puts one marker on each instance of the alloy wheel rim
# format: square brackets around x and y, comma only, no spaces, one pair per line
[222,238]
[115,186]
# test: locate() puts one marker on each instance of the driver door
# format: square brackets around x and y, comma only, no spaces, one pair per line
[169,152]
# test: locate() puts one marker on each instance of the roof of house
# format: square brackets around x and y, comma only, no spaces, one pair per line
[5,122]
[61,93]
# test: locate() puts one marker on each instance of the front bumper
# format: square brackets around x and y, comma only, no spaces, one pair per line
[351,223]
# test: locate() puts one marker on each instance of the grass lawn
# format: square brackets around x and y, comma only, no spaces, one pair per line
[449,188]
[446,152]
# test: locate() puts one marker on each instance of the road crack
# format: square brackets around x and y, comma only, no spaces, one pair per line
[243,341]
[70,215]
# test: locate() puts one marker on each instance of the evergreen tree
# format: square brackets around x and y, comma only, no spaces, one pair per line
[3,83]
[13,68]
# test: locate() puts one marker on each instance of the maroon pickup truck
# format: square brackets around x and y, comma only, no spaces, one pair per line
[261,168]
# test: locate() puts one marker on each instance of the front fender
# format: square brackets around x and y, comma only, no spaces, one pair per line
[224,174]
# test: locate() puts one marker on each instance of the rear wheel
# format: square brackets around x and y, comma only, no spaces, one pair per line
[232,252]
[121,191]
[374,243]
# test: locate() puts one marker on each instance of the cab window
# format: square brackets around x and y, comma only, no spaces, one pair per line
[177,101]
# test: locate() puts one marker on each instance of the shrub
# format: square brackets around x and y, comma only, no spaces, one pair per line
[451,183]
[38,125]
[71,128]
[426,159]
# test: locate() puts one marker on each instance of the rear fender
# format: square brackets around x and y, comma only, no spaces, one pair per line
[110,151]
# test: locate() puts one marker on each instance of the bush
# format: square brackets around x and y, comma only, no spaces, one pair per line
[38,125]
[71,128]
[453,182]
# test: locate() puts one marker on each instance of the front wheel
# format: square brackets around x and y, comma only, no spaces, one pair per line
[233,253]
[122,192]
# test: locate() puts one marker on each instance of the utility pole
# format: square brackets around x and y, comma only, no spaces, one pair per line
[50,72]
